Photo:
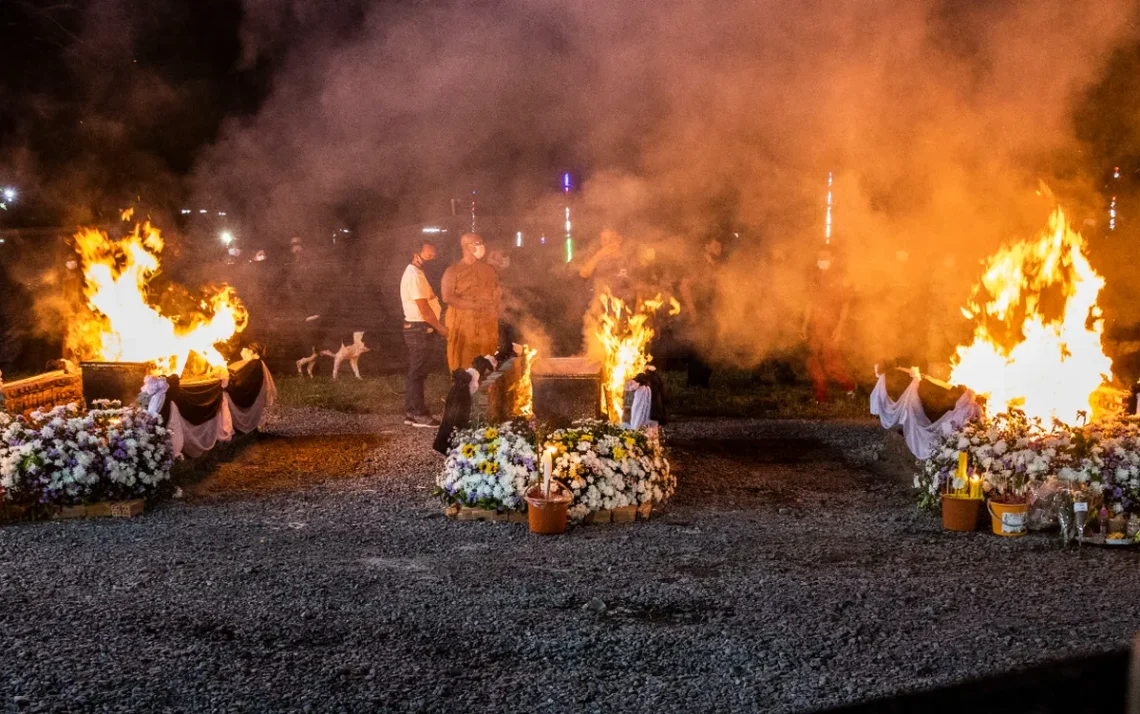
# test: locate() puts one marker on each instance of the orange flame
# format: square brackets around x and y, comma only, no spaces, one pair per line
[625,333]
[124,327]
[524,389]
[1037,338]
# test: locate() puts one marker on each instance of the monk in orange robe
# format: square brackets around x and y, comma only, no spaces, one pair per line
[472,292]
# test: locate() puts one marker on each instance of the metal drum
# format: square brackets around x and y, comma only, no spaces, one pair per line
[121,381]
[566,389]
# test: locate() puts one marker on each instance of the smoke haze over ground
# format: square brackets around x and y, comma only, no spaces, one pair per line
[937,119]
[681,119]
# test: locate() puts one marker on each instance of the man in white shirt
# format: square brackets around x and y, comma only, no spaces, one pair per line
[421,319]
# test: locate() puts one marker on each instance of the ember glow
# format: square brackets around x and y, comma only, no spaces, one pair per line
[624,333]
[125,327]
[1037,340]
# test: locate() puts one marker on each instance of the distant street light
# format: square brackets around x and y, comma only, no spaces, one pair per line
[9,194]
[227,238]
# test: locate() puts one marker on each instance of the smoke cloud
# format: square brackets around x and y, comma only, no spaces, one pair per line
[681,120]
[936,119]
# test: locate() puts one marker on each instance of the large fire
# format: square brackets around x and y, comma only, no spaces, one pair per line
[1037,340]
[624,333]
[125,327]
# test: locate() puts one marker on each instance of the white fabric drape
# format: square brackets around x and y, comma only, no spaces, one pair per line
[155,388]
[193,440]
[639,410]
[919,432]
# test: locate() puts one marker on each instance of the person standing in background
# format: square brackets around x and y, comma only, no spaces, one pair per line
[421,319]
[472,293]
[824,320]
[609,267]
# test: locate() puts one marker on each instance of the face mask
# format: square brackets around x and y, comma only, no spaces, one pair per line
[823,264]
[478,251]
[422,258]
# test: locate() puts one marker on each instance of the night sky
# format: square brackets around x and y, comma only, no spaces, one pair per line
[106,100]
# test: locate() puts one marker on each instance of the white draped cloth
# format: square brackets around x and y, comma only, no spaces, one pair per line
[641,407]
[920,433]
[196,439]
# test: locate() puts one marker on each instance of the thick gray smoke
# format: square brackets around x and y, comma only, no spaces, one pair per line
[937,119]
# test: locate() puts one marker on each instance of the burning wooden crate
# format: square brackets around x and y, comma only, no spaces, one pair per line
[42,392]
[566,389]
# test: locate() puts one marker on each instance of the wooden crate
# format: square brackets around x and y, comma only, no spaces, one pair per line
[99,510]
[463,513]
[599,517]
[10,513]
[127,509]
[625,514]
[67,512]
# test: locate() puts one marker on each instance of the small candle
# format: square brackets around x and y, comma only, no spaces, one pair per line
[962,464]
[547,458]
[975,486]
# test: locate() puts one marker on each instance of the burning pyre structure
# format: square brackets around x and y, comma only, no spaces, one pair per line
[119,334]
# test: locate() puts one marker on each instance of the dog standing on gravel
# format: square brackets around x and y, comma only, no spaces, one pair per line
[306,364]
[352,353]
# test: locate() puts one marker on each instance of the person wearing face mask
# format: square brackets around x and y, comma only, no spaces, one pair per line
[472,292]
[421,319]
[824,320]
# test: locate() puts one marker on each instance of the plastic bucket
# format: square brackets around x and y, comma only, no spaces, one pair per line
[547,515]
[960,514]
[1008,519]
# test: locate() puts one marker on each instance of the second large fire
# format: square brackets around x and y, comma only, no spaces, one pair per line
[1037,336]
[624,332]
[124,326]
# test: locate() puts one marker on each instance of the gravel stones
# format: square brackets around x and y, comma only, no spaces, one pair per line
[783,577]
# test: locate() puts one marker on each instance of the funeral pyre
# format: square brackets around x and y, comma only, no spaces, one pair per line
[122,323]
[1036,356]
[1037,336]
[624,332]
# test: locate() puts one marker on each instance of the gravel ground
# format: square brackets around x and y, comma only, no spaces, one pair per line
[783,578]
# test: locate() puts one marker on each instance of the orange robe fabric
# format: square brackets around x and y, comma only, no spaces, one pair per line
[472,333]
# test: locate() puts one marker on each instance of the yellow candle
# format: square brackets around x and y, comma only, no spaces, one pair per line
[962,464]
[976,487]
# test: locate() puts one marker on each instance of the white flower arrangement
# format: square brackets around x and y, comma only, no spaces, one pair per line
[607,466]
[1014,454]
[488,467]
[66,457]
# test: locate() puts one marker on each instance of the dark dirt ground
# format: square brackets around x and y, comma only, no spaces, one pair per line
[310,572]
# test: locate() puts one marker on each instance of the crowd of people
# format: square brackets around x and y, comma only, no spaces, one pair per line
[477,320]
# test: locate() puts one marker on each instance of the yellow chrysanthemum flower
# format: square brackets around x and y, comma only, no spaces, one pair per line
[468,451]
[491,434]
[619,453]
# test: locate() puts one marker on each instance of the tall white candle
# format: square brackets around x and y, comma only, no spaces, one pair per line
[547,458]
